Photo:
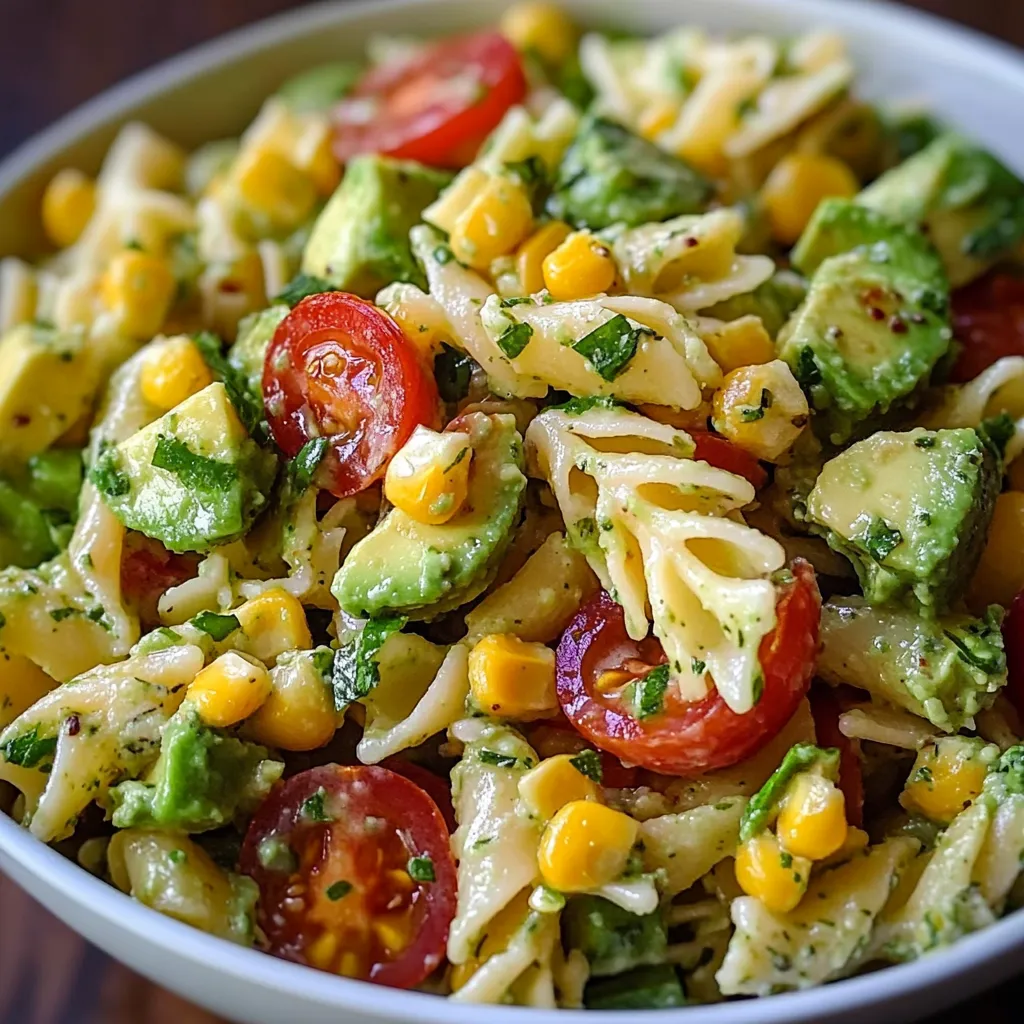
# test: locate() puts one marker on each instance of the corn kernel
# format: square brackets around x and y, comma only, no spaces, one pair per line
[761,408]
[742,342]
[273,622]
[768,873]
[681,419]
[1000,573]
[582,266]
[795,187]
[497,219]
[812,820]
[541,28]
[323,167]
[138,288]
[229,690]
[68,205]
[428,479]
[173,372]
[273,185]
[505,923]
[532,253]
[946,777]
[299,714]
[658,117]
[555,782]
[511,678]
[585,845]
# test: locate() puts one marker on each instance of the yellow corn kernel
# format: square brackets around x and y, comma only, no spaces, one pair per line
[681,419]
[659,116]
[555,782]
[273,185]
[428,479]
[323,167]
[761,408]
[299,714]
[500,930]
[580,267]
[768,873]
[812,820]
[273,622]
[946,777]
[742,342]
[585,845]
[511,678]
[797,184]
[173,372]
[497,219]
[68,205]
[138,288]
[1000,573]
[532,253]
[229,690]
[856,840]
[541,28]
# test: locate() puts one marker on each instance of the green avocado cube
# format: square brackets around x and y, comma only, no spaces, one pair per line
[911,511]
[360,241]
[255,333]
[646,988]
[192,479]
[611,176]
[969,204]
[612,939]
[773,301]
[203,779]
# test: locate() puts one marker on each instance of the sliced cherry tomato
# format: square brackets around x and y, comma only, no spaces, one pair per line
[826,709]
[433,785]
[332,851]
[339,367]
[723,454]
[436,107]
[687,738]
[1013,641]
[988,319]
[148,569]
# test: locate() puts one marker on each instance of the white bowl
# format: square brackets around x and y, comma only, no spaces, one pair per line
[214,91]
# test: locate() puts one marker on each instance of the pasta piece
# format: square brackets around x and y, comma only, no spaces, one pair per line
[87,735]
[139,158]
[815,942]
[999,861]
[417,697]
[22,683]
[690,262]
[17,293]
[883,724]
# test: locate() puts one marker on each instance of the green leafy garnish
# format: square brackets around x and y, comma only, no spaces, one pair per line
[194,471]
[514,339]
[421,869]
[336,891]
[303,467]
[248,404]
[996,432]
[452,371]
[498,760]
[29,749]
[881,539]
[219,627]
[301,287]
[610,347]
[647,694]
[107,476]
[313,807]
[751,413]
[356,671]
[588,762]
[807,372]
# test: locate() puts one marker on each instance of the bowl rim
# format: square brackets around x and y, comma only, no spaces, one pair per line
[953,43]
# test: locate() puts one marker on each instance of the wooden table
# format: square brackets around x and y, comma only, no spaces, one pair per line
[53,55]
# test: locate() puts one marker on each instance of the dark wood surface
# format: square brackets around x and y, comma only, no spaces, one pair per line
[53,55]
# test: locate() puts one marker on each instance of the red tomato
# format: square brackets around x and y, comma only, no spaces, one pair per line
[434,786]
[147,570]
[826,709]
[329,850]
[340,367]
[723,454]
[988,319]
[1013,641]
[557,736]
[687,738]
[436,107]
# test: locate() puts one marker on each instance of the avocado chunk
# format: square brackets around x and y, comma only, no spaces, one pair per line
[773,301]
[360,241]
[646,988]
[969,204]
[612,939]
[874,323]
[320,87]
[203,779]
[410,568]
[945,670]
[191,479]
[611,176]
[246,355]
[911,512]
[47,384]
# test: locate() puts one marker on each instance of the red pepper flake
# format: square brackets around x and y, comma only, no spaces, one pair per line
[74,725]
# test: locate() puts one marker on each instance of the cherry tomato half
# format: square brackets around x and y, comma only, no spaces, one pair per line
[1013,641]
[988,319]
[339,367]
[436,107]
[826,709]
[148,569]
[434,786]
[723,454]
[687,738]
[355,872]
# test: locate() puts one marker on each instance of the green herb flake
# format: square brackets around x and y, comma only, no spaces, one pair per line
[107,476]
[498,760]
[881,539]
[301,287]
[578,406]
[697,667]
[453,371]
[313,808]
[219,627]
[751,413]
[421,869]
[610,347]
[925,442]
[248,404]
[588,762]
[60,614]
[337,890]
[303,467]
[194,471]
[29,750]
[514,339]
[177,856]
[356,671]
[647,694]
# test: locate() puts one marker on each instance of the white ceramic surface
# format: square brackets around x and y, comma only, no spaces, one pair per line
[214,91]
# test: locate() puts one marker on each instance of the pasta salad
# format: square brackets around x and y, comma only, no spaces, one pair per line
[535,519]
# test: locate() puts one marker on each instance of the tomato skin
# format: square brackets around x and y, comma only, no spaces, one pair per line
[148,569]
[826,709]
[723,454]
[340,367]
[689,738]
[433,785]
[988,319]
[1013,641]
[403,817]
[422,113]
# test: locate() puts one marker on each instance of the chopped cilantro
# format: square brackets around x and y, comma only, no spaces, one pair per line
[514,339]
[107,476]
[452,372]
[588,762]
[194,471]
[247,403]
[303,467]
[578,406]
[219,627]
[610,347]
[752,413]
[421,869]
[881,539]
[996,432]
[29,749]
[647,694]
[337,890]
[313,807]
[498,760]
[60,614]
[697,667]
[356,671]
[807,372]
[925,442]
